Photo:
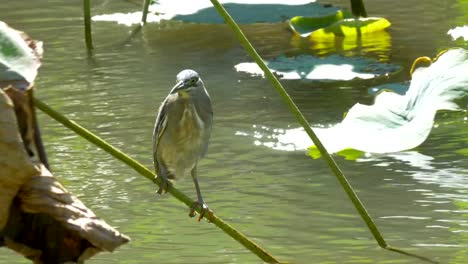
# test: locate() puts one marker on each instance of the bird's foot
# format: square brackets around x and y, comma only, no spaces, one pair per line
[164,187]
[205,211]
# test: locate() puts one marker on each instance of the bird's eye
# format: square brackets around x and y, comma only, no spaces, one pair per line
[193,80]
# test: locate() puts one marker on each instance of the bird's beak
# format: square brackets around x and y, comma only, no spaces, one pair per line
[179,86]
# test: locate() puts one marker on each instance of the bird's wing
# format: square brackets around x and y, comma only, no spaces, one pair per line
[159,128]
[205,111]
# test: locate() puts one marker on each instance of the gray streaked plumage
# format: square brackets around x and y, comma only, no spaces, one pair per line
[182,131]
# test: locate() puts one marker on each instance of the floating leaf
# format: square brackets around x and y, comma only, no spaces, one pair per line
[393,123]
[255,13]
[351,27]
[305,25]
[399,88]
[243,11]
[334,67]
[400,122]
[351,154]
[375,44]
[19,56]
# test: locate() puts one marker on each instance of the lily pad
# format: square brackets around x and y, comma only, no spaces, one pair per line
[243,11]
[255,13]
[374,44]
[334,67]
[394,122]
[399,88]
[349,27]
[305,25]
[18,61]
[400,122]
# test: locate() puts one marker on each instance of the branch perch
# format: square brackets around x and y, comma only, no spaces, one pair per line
[228,229]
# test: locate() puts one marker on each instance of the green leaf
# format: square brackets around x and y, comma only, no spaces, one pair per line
[304,26]
[352,27]
[250,12]
[339,24]
[18,61]
[243,11]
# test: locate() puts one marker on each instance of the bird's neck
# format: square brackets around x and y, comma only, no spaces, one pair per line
[184,94]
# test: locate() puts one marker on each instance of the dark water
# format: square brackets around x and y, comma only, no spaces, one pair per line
[288,203]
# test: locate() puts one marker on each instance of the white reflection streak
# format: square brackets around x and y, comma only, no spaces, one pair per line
[336,72]
[129,19]
[459,32]
[296,139]
[343,72]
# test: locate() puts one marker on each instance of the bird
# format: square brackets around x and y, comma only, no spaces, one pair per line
[181,134]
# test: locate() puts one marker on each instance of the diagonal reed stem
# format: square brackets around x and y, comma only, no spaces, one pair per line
[301,119]
[228,229]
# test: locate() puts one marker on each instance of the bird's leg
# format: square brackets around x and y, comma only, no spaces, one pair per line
[204,208]
[164,181]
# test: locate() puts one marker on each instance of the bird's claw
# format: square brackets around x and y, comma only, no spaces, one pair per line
[204,211]
[164,187]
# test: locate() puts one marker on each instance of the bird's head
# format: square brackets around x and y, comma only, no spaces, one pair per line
[187,80]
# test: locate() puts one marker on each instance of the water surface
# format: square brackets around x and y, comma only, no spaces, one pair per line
[287,202]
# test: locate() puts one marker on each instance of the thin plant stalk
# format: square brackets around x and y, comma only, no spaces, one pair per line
[358,9]
[83,132]
[145,11]
[87,24]
[305,124]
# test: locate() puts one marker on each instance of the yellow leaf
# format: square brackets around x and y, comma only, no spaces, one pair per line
[352,27]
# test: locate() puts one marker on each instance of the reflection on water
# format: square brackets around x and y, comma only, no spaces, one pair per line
[377,43]
[459,32]
[287,202]
[333,67]
[294,139]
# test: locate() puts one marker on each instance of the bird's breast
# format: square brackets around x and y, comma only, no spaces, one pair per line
[191,127]
[182,144]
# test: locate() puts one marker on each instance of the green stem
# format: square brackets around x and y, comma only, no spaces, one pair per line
[358,9]
[301,119]
[145,11]
[87,24]
[411,254]
[231,231]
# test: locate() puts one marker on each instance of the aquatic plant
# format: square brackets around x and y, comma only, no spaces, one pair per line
[400,122]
